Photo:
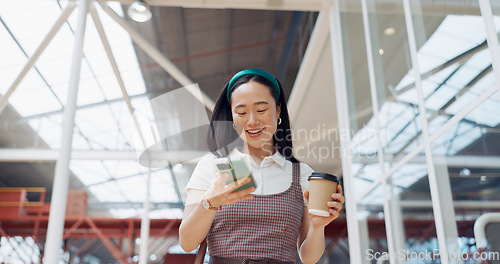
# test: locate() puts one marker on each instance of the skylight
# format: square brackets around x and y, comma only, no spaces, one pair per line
[450,89]
[99,125]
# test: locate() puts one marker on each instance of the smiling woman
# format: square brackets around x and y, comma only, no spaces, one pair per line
[255,102]
[270,222]
[256,112]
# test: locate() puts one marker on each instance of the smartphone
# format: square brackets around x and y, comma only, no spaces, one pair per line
[237,169]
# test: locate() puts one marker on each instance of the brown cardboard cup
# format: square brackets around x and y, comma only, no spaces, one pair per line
[321,187]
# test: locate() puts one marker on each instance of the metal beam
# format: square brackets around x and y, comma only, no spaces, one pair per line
[465,161]
[450,123]
[442,111]
[116,71]
[163,233]
[145,223]
[45,42]
[28,57]
[392,215]
[55,227]
[429,6]
[299,5]
[439,200]
[130,237]
[117,254]
[163,61]
[491,37]
[133,205]
[333,14]
[418,204]
[67,234]
[91,250]
[460,59]
[49,155]
[81,249]
[122,178]
[445,196]
[9,240]
[81,107]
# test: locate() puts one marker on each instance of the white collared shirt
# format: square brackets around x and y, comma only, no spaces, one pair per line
[273,175]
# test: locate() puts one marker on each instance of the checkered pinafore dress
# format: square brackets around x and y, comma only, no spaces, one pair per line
[266,227]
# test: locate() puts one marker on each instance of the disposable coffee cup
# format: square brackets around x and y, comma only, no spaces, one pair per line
[321,187]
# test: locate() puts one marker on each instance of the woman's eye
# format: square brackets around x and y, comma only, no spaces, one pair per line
[262,111]
[240,114]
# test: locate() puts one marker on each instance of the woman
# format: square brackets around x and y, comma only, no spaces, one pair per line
[268,223]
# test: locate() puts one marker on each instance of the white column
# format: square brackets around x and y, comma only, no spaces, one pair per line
[393,222]
[356,256]
[143,249]
[437,203]
[398,231]
[61,179]
[364,240]
[491,38]
[447,207]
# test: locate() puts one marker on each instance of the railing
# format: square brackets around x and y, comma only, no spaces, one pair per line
[33,208]
[480,233]
[40,190]
[22,204]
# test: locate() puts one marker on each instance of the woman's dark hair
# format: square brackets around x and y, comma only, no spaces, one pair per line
[221,134]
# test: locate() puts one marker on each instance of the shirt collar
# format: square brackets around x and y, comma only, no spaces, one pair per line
[276,157]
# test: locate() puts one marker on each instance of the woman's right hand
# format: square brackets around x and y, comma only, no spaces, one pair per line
[220,194]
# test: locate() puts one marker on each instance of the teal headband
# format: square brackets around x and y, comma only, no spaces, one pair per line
[254,71]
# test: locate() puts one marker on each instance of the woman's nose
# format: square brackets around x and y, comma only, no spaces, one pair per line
[252,120]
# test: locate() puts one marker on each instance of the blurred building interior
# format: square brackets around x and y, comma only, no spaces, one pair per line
[417,144]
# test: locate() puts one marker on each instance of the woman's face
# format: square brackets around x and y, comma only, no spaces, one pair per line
[255,114]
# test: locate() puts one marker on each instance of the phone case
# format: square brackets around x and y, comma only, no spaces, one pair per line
[238,170]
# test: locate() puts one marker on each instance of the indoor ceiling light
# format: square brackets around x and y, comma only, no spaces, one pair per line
[464,172]
[139,11]
[389,31]
[483,179]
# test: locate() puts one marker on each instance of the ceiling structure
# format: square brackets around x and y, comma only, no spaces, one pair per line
[208,45]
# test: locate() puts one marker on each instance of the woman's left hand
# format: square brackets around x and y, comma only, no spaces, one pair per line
[334,208]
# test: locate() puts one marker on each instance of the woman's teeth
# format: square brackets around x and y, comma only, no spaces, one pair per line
[255,131]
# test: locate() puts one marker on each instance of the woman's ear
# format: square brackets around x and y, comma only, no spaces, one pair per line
[278,111]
